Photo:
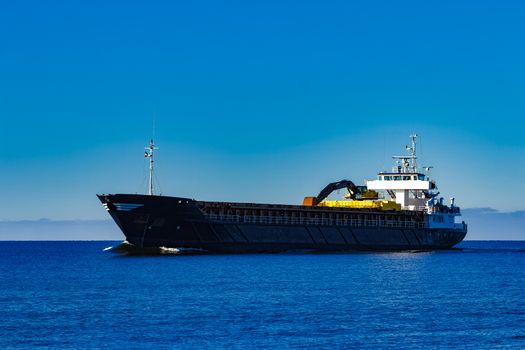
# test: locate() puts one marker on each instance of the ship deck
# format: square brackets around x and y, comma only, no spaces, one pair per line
[305,215]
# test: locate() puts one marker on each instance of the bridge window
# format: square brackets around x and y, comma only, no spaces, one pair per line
[406,178]
[397,178]
[421,177]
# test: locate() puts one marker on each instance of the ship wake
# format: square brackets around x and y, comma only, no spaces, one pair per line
[126,248]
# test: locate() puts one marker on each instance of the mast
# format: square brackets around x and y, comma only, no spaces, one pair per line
[408,163]
[413,151]
[149,154]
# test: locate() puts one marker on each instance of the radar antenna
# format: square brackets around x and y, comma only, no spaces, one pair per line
[408,163]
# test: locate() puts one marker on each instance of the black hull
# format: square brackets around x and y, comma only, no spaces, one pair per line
[158,221]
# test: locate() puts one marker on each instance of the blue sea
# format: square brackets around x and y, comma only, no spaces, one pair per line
[79,295]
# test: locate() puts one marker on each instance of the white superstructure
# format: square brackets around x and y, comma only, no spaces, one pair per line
[414,190]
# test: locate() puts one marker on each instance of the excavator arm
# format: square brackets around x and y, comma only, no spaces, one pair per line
[334,186]
[353,191]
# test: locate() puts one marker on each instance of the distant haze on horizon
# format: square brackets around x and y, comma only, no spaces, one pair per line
[256,101]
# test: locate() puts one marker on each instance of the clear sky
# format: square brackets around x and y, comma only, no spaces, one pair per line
[262,101]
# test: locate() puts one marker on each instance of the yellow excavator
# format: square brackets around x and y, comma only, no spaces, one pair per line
[360,198]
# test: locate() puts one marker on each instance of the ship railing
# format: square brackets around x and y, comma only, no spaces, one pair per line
[254,219]
[443,209]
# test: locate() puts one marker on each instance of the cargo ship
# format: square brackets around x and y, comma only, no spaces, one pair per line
[398,210]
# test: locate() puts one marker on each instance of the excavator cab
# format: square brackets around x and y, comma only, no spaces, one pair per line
[363,193]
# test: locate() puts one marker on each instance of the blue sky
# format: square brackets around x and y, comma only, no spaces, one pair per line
[256,101]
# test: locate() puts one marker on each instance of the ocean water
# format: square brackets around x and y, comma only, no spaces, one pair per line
[78,295]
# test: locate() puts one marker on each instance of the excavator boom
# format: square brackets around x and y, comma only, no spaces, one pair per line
[353,191]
